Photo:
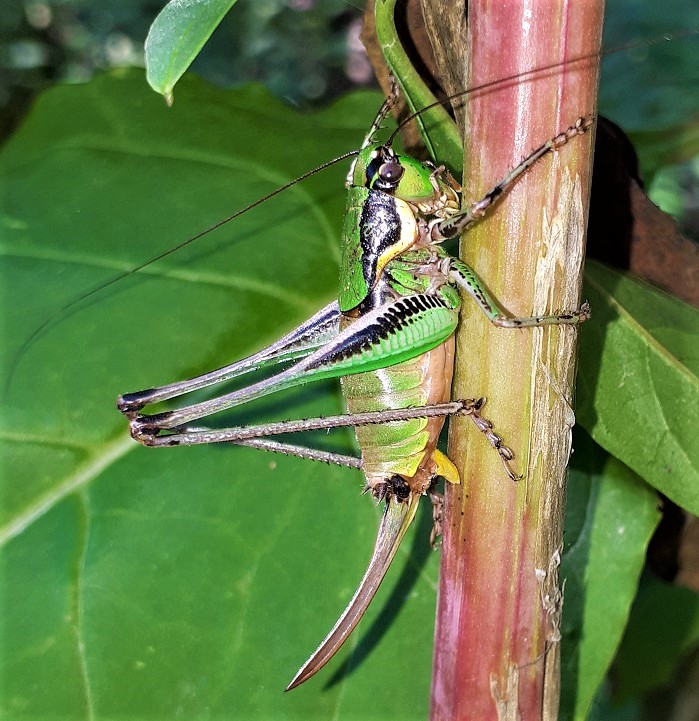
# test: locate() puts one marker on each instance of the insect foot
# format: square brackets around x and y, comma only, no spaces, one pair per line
[437,500]
[143,431]
[580,127]
[472,408]
[574,317]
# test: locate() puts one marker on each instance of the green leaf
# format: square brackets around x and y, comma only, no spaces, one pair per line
[604,708]
[176,37]
[438,130]
[669,146]
[610,517]
[663,628]
[193,581]
[638,392]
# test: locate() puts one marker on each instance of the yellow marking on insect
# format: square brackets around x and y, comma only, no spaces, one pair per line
[445,467]
[408,236]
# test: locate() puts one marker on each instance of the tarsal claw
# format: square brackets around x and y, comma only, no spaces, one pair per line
[395,521]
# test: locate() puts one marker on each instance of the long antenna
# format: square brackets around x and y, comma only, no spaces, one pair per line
[64,309]
[495,83]
[541,69]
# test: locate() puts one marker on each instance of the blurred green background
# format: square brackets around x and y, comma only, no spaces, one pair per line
[307,52]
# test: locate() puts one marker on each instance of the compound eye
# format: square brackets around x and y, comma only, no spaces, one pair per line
[391,172]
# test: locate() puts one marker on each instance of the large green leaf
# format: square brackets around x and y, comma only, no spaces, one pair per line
[610,517]
[662,630]
[188,582]
[638,390]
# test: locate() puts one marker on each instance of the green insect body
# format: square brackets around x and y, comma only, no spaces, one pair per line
[388,259]
[390,340]
[387,256]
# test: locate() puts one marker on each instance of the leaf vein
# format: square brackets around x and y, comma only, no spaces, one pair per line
[109,454]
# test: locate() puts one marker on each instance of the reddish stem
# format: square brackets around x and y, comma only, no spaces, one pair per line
[496,652]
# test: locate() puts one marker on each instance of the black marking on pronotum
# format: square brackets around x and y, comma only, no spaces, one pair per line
[393,319]
[379,229]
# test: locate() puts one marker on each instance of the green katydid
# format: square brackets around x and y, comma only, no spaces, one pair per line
[389,337]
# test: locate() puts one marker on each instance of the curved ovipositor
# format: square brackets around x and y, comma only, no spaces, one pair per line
[397,517]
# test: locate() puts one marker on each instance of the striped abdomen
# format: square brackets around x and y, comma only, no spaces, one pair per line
[402,447]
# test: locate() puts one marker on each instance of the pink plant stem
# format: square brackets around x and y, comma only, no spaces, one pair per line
[497,633]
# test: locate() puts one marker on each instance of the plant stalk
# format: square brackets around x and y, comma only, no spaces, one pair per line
[499,608]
